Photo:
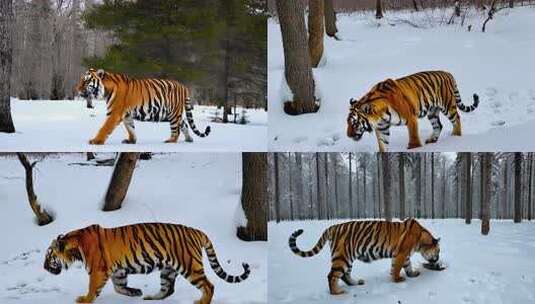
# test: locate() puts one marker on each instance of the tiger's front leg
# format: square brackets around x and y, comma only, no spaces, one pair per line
[382,132]
[397,263]
[109,125]
[97,280]
[414,137]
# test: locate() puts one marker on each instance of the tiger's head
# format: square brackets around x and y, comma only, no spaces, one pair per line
[63,251]
[91,84]
[357,121]
[429,247]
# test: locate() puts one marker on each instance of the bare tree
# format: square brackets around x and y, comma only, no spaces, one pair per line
[42,215]
[330,19]
[379,9]
[6,58]
[518,187]
[277,190]
[254,197]
[297,63]
[467,162]
[120,180]
[315,31]
[486,163]
[401,169]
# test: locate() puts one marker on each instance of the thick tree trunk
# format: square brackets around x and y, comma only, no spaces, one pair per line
[468,187]
[350,187]
[297,64]
[277,189]
[315,31]
[401,169]
[43,217]
[364,201]
[318,185]
[379,9]
[432,185]
[530,187]
[486,161]
[387,178]
[418,186]
[518,187]
[254,197]
[415,5]
[120,180]
[330,19]
[290,187]
[6,59]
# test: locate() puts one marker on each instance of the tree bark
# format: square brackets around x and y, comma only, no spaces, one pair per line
[387,178]
[518,187]
[468,187]
[486,161]
[43,217]
[6,60]
[432,185]
[530,187]
[315,31]
[120,180]
[401,169]
[277,189]
[379,9]
[350,187]
[297,64]
[330,19]
[254,197]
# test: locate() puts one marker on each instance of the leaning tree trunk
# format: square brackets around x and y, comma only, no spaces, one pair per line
[297,64]
[486,161]
[379,9]
[467,187]
[120,180]
[254,197]
[518,187]
[330,19]
[6,59]
[43,217]
[315,31]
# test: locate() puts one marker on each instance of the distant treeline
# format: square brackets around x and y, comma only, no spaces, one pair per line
[399,185]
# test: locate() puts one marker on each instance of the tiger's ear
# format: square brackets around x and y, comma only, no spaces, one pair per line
[352,101]
[387,85]
[436,241]
[60,242]
[101,73]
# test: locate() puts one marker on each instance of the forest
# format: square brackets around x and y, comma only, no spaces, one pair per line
[401,185]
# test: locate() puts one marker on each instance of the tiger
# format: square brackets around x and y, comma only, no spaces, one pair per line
[138,249]
[128,99]
[368,241]
[402,102]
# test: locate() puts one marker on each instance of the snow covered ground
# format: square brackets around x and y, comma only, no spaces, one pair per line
[64,126]
[494,269]
[496,65]
[179,188]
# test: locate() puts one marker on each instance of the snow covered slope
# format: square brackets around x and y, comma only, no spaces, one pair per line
[63,126]
[497,65]
[494,269]
[178,188]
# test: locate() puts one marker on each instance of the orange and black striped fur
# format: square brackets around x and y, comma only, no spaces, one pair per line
[402,102]
[128,99]
[135,249]
[372,240]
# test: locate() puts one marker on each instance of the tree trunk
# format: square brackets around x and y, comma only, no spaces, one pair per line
[364,202]
[120,180]
[350,186]
[518,187]
[415,5]
[315,31]
[6,59]
[277,190]
[318,185]
[444,186]
[468,186]
[387,177]
[379,9]
[486,161]
[401,169]
[297,64]
[530,187]
[290,187]
[418,187]
[41,214]
[330,19]
[254,197]
[432,185]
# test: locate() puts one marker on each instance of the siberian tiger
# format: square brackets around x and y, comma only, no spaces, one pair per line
[372,240]
[128,99]
[139,248]
[402,102]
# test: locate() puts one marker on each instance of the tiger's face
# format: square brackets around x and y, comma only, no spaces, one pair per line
[60,254]
[429,247]
[357,121]
[90,84]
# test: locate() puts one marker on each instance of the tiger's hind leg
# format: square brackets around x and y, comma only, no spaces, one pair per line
[408,269]
[199,280]
[184,128]
[350,281]
[434,118]
[455,119]
[119,280]
[167,277]
[175,129]
[128,122]
[339,268]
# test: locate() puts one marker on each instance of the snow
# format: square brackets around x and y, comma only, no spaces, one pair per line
[493,269]
[494,65]
[178,188]
[67,126]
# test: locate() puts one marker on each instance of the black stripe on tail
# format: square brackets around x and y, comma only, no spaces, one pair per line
[317,248]
[214,263]
[189,116]
[460,104]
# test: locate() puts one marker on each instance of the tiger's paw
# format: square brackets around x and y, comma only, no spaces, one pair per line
[95,141]
[414,145]
[84,299]
[171,141]
[129,141]
[399,279]
[431,140]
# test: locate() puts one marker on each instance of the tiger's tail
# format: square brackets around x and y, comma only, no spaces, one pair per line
[214,263]
[317,248]
[191,123]
[460,104]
